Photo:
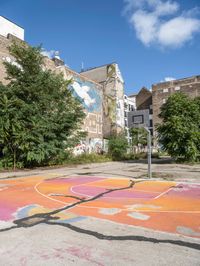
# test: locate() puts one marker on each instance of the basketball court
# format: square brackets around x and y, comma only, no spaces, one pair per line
[159,205]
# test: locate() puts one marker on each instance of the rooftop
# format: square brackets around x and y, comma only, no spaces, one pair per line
[175,80]
[91,68]
[12,22]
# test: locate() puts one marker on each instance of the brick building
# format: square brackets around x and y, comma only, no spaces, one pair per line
[161,91]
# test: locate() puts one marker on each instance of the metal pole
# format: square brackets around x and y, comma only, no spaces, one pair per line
[149,152]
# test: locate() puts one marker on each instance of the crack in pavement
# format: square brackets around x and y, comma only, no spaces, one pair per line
[66,196]
[47,218]
[127,237]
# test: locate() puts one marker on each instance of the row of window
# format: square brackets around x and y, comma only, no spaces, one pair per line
[177,88]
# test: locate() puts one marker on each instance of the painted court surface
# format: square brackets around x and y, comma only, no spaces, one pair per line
[159,205]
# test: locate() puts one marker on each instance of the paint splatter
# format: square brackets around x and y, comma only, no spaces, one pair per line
[109,211]
[139,216]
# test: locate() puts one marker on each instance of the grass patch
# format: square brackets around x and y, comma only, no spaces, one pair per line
[82,159]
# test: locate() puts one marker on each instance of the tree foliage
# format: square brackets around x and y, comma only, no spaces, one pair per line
[39,117]
[179,132]
[117,146]
[139,136]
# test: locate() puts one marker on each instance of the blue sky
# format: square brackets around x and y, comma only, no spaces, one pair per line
[150,39]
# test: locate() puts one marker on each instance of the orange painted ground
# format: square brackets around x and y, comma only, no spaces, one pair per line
[160,205]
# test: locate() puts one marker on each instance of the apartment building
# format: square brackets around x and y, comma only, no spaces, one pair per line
[129,106]
[161,91]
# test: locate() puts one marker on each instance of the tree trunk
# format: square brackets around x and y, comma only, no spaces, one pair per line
[14,159]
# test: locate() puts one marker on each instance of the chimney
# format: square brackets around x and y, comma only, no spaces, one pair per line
[57,60]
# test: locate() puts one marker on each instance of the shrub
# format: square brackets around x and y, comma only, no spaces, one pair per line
[117,146]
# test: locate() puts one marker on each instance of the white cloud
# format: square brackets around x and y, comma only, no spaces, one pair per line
[169,79]
[142,21]
[158,22]
[177,31]
[166,8]
[49,54]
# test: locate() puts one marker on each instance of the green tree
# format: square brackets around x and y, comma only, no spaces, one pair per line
[117,146]
[38,114]
[138,136]
[179,132]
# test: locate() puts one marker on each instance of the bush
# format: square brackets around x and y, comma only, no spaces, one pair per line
[117,147]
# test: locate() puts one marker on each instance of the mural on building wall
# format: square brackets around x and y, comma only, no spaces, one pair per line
[113,99]
[110,109]
[87,93]
[110,104]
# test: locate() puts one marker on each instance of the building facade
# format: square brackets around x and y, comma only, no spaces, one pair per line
[129,106]
[161,91]
[109,76]
[8,27]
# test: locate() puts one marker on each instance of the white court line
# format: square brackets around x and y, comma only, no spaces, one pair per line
[71,188]
[129,188]
[41,194]
[124,209]
[63,202]
[165,192]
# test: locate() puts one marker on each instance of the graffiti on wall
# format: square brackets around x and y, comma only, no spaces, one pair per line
[93,145]
[87,93]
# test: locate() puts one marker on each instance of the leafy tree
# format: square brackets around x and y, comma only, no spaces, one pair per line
[139,136]
[39,117]
[179,133]
[117,146]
